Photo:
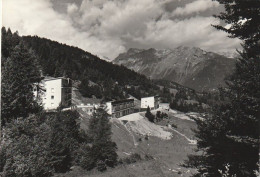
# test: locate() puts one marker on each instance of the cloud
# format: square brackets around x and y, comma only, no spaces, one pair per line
[195,31]
[196,6]
[32,17]
[72,8]
[109,27]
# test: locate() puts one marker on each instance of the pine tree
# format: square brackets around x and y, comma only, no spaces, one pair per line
[149,115]
[19,73]
[231,135]
[103,149]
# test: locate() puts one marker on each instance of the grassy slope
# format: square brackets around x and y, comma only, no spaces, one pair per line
[167,154]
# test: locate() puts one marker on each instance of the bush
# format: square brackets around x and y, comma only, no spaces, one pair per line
[101,166]
[120,161]
[133,158]
[84,157]
[149,115]
[2,157]
[148,157]
[49,143]
[158,114]
[161,115]
[174,126]
[27,140]
[40,144]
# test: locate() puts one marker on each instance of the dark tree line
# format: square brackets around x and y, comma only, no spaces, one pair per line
[19,71]
[36,143]
[62,60]
[230,137]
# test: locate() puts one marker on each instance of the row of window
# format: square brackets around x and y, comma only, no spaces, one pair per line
[122,106]
[123,113]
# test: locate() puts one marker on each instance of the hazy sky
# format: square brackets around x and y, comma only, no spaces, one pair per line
[109,27]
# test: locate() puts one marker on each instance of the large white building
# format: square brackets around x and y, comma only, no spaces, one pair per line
[54,92]
[152,102]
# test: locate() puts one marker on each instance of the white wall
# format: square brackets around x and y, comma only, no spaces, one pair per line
[109,108]
[53,88]
[147,101]
[164,105]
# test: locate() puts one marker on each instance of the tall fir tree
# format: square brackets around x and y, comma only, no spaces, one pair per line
[149,115]
[103,149]
[230,137]
[19,72]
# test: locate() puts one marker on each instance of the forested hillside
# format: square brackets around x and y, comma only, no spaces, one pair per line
[38,143]
[98,78]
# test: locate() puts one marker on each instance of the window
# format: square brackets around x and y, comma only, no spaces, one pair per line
[52,97]
[52,90]
[52,104]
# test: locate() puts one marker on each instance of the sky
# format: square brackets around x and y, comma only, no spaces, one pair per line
[109,27]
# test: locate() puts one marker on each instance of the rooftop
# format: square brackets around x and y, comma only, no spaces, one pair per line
[47,78]
[156,96]
[122,101]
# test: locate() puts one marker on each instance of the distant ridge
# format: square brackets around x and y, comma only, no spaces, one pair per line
[188,66]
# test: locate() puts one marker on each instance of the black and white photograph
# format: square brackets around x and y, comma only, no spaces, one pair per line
[130,88]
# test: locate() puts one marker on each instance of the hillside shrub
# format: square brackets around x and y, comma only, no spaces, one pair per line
[26,140]
[148,157]
[40,144]
[84,157]
[101,165]
[160,116]
[149,115]
[2,157]
[133,158]
[174,125]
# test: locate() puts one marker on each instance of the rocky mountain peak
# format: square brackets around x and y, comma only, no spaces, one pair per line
[188,66]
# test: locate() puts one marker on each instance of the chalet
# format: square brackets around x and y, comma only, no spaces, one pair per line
[55,92]
[152,102]
[120,108]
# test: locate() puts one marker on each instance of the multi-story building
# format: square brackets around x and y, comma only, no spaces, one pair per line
[55,92]
[152,102]
[120,108]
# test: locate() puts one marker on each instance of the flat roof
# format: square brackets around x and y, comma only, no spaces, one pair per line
[47,78]
[156,96]
[122,101]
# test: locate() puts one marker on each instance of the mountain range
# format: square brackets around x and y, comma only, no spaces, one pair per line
[188,66]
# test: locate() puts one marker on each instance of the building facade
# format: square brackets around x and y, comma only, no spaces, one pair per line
[55,92]
[120,108]
[152,102]
[89,108]
[165,106]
